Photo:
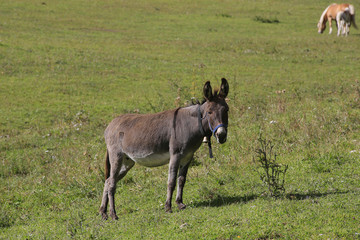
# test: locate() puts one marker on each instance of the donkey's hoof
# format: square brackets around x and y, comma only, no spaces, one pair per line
[181,206]
[114,216]
[104,215]
[168,209]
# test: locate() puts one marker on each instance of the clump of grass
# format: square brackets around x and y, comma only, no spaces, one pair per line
[266,20]
[209,193]
[356,95]
[75,225]
[224,15]
[271,173]
[5,219]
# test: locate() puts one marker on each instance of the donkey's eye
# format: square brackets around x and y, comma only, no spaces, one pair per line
[210,112]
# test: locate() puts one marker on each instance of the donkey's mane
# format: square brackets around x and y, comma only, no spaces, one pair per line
[195,101]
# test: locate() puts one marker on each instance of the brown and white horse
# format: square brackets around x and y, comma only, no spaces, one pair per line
[330,14]
[156,139]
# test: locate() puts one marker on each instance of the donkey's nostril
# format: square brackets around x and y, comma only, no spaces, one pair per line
[221,135]
[221,139]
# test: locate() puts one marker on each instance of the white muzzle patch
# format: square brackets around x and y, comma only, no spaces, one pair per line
[221,135]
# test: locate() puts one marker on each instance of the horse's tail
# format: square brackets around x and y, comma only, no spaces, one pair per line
[352,16]
[107,165]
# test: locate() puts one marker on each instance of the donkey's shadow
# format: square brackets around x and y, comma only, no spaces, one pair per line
[225,200]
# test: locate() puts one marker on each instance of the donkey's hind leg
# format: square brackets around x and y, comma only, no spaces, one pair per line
[104,203]
[124,164]
[120,165]
[105,198]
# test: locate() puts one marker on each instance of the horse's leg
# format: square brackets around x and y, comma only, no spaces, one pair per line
[330,25]
[173,169]
[120,165]
[181,183]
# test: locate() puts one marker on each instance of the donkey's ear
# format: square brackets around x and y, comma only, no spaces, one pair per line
[224,88]
[208,94]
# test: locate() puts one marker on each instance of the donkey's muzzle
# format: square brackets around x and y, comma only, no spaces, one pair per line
[221,135]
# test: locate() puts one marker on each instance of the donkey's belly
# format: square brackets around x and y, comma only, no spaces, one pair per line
[153,159]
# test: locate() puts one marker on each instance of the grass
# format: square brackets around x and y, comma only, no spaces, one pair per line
[68,68]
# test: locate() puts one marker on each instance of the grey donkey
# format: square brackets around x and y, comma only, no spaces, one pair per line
[156,139]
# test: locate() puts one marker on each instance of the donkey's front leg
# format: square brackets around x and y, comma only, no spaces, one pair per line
[181,183]
[173,168]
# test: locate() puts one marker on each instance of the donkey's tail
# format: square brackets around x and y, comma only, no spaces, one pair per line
[107,165]
[352,16]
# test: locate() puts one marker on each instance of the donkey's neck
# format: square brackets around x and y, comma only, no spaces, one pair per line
[194,115]
[204,120]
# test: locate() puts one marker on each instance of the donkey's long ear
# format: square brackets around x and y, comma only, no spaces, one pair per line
[208,94]
[224,88]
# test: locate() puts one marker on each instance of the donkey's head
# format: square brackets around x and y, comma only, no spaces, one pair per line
[216,110]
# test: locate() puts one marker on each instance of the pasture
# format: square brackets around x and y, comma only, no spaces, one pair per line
[67,68]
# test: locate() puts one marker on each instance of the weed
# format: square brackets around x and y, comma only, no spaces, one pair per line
[270,172]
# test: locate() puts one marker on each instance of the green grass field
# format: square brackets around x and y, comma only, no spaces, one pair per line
[67,68]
